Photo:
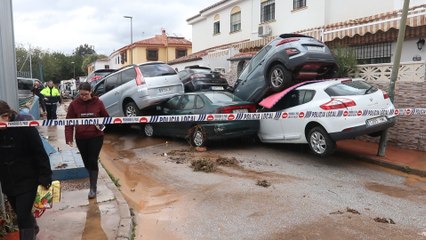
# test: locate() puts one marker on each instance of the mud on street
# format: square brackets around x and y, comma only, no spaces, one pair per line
[258,191]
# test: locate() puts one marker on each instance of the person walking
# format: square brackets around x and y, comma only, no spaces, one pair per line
[51,97]
[89,138]
[24,164]
[37,92]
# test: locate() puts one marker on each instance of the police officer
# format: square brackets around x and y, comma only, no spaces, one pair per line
[51,98]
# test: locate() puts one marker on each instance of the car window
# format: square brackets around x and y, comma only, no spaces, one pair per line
[309,95]
[156,70]
[112,82]
[182,74]
[100,89]
[350,88]
[128,75]
[172,103]
[291,99]
[199,102]
[25,84]
[255,61]
[187,102]
[221,97]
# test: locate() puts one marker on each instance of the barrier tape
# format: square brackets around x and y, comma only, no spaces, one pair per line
[217,117]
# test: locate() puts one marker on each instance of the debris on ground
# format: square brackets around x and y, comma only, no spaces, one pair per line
[225,161]
[353,211]
[384,220]
[263,183]
[62,165]
[200,149]
[337,212]
[203,165]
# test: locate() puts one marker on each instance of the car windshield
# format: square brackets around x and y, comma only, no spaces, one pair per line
[156,70]
[221,97]
[25,84]
[350,88]
[255,61]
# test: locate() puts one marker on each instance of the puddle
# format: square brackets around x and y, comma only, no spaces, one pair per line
[393,191]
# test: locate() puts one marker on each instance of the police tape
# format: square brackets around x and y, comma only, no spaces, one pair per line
[218,117]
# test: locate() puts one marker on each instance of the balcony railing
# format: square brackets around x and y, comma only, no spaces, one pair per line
[408,72]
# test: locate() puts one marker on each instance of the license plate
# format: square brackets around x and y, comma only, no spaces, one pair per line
[163,90]
[315,48]
[376,121]
[217,88]
[240,111]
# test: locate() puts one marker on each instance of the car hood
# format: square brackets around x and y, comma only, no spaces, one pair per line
[270,101]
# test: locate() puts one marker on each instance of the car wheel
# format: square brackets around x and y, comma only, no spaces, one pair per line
[279,78]
[131,110]
[148,130]
[198,137]
[320,142]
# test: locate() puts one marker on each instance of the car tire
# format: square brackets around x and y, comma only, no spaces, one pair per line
[197,136]
[279,78]
[148,130]
[131,110]
[320,142]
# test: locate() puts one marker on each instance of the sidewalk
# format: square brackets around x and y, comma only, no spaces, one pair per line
[409,161]
[75,217]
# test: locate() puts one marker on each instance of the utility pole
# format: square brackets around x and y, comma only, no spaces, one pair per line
[131,38]
[395,71]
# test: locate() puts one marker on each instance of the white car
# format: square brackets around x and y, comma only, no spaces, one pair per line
[313,101]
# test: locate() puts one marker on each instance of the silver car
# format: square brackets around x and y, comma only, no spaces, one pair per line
[135,87]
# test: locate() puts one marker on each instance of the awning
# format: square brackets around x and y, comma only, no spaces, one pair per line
[372,24]
[259,43]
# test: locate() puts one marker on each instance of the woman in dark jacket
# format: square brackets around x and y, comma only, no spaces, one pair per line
[24,164]
[89,138]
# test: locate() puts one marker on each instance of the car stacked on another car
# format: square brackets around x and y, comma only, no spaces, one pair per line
[203,103]
[97,75]
[285,61]
[135,87]
[198,78]
[321,133]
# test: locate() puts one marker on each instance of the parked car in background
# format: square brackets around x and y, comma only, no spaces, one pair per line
[94,77]
[25,86]
[286,60]
[203,103]
[322,133]
[198,78]
[135,87]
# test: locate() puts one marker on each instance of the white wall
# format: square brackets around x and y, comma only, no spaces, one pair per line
[409,50]
[113,61]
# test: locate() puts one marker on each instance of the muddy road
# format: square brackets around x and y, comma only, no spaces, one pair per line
[259,191]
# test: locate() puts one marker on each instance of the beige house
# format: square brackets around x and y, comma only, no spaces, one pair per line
[158,48]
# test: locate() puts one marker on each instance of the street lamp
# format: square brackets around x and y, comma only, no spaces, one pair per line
[131,37]
[73,64]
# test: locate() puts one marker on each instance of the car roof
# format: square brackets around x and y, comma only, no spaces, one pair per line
[104,70]
[326,83]
[197,66]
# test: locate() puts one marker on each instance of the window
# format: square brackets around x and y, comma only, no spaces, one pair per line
[187,102]
[267,11]
[373,53]
[299,4]
[199,103]
[216,27]
[181,53]
[123,57]
[128,75]
[112,82]
[255,61]
[235,19]
[350,88]
[157,69]
[294,98]
[106,66]
[152,54]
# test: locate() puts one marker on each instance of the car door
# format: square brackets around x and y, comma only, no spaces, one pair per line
[295,101]
[111,97]
[168,108]
[185,106]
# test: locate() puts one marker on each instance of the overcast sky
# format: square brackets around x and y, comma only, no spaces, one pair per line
[63,25]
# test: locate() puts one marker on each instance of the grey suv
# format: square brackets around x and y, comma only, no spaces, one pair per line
[283,62]
[135,87]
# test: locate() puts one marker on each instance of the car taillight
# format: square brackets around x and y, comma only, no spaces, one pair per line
[198,76]
[236,109]
[292,51]
[95,78]
[337,103]
[139,77]
[287,40]
[385,95]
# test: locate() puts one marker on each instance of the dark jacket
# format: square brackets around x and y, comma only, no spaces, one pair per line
[78,108]
[24,163]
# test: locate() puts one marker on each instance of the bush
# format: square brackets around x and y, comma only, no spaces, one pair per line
[346,61]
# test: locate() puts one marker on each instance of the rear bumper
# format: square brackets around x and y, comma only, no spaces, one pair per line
[323,59]
[362,130]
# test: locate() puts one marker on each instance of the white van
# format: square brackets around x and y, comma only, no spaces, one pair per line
[68,88]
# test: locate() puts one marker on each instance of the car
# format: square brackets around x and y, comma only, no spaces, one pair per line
[203,103]
[283,62]
[198,78]
[321,133]
[132,88]
[94,77]
[25,86]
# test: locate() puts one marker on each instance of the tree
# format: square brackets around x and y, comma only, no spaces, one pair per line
[346,61]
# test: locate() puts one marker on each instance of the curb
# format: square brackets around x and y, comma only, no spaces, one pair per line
[125,227]
[387,164]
